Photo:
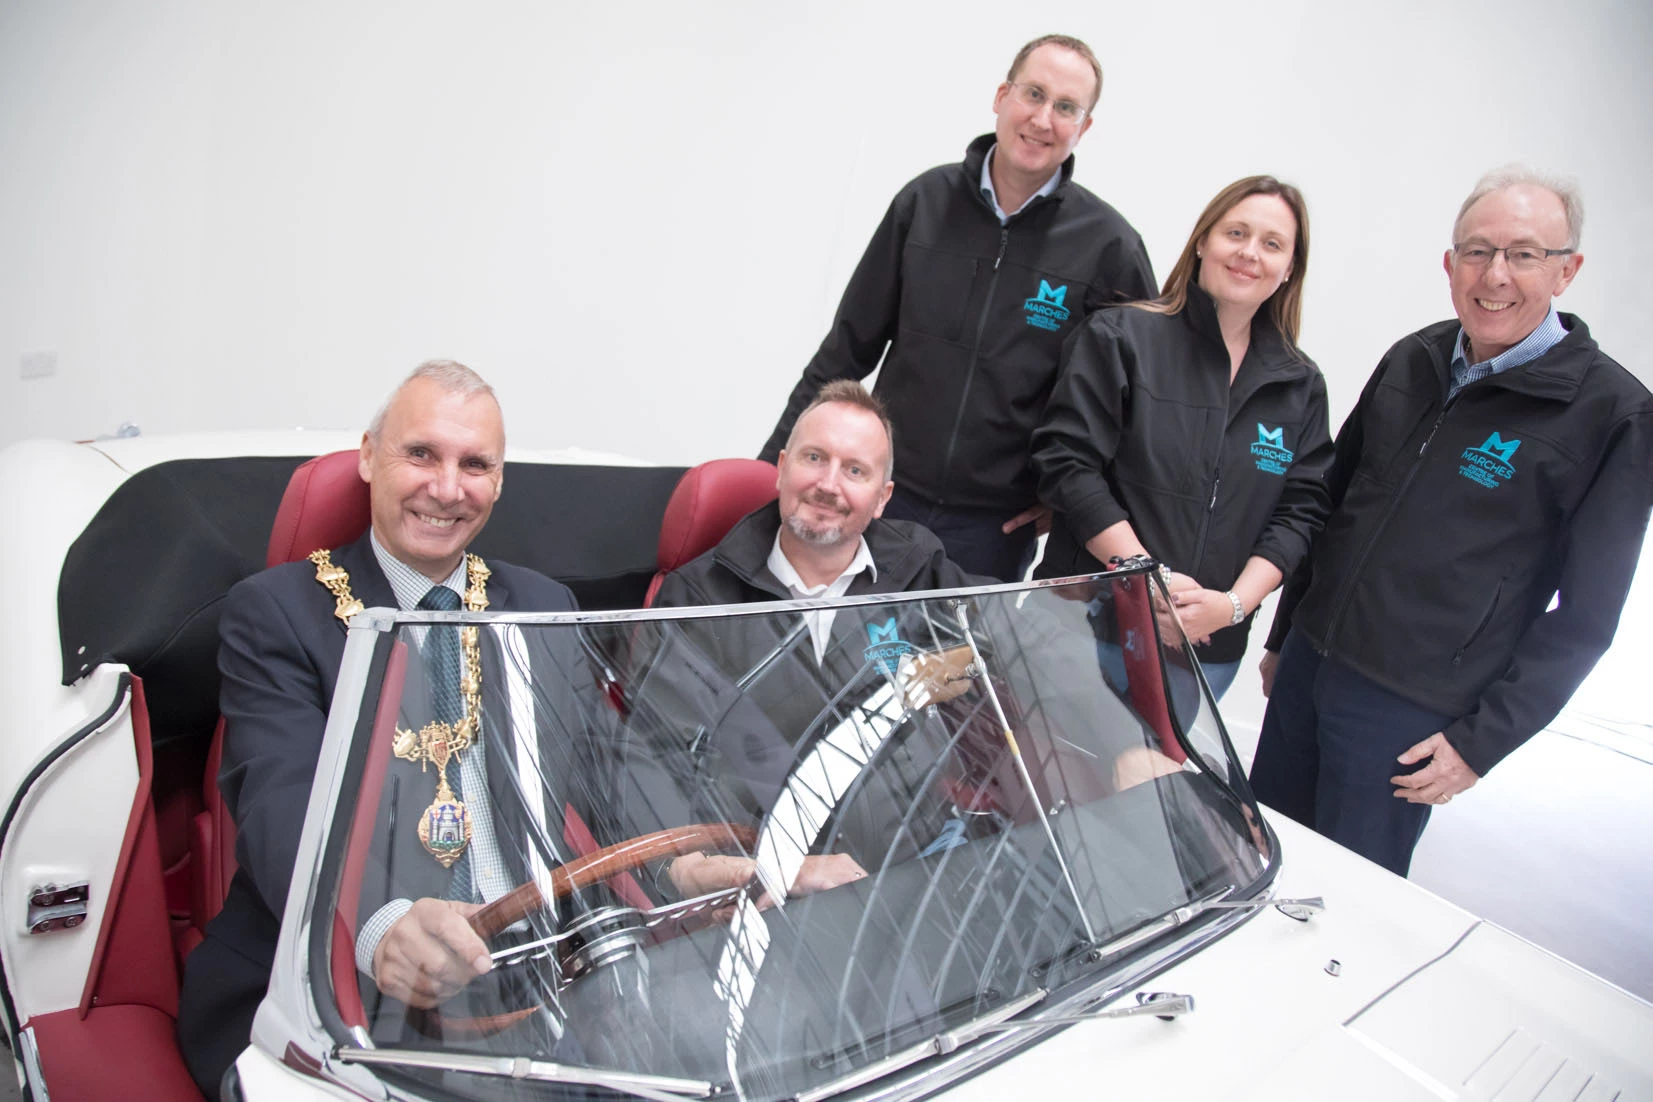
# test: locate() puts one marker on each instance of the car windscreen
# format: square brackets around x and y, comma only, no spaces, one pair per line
[760,850]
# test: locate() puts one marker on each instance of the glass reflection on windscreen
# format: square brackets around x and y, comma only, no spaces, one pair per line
[763,850]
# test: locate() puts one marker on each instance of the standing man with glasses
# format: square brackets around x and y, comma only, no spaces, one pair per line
[1490,493]
[969,286]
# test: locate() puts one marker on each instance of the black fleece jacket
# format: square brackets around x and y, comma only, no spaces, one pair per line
[973,315]
[1454,524]
[908,556]
[1145,426]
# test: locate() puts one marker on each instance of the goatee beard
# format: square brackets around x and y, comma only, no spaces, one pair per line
[816,537]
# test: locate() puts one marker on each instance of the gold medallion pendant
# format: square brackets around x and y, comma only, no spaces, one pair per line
[445,827]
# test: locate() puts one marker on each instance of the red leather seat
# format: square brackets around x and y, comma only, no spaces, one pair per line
[326,504]
[709,499]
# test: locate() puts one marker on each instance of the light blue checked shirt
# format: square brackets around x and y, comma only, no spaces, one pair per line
[489,875]
[1549,333]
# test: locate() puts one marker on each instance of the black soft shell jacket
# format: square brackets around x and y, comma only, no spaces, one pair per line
[1454,524]
[1145,426]
[754,681]
[973,315]
[908,556]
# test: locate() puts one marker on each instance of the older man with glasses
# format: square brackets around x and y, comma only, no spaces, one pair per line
[965,294]
[1490,494]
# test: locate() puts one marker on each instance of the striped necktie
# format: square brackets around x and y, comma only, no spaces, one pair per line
[443,661]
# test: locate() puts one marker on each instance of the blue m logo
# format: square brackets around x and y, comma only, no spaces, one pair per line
[1056,296]
[882,633]
[1503,449]
[1271,438]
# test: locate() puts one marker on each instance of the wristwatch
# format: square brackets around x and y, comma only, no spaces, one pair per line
[1239,609]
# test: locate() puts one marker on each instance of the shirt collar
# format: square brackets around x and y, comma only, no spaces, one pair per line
[1550,332]
[992,195]
[787,575]
[408,584]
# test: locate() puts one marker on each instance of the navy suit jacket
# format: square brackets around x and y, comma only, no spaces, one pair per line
[280,651]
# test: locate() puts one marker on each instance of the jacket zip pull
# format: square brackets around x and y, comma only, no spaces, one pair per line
[1215,482]
[1425,445]
[1004,239]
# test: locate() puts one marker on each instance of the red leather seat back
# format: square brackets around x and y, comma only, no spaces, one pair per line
[326,505]
[709,499]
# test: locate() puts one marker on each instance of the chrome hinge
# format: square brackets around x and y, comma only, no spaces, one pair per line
[58,906]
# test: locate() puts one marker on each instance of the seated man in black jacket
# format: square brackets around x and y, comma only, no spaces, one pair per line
[823,538]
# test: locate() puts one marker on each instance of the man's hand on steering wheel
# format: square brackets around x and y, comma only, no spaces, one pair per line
[699,874]
[430,953]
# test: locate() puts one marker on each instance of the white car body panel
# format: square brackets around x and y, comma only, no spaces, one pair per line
[68,829]
[1430,1003]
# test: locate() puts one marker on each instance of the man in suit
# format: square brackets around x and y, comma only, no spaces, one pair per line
[433,459]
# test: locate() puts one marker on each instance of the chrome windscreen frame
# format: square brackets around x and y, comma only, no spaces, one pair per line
[298,1025]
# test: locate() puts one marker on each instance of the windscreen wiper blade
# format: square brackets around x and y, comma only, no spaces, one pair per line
[1300,909]
[659,1088]
[939,1045]
[1156,1004]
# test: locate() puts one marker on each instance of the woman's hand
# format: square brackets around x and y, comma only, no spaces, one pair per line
[1202,612]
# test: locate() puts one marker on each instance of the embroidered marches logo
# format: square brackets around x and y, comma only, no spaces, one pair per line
[1270,451]
[1489,465]
[1046,310]
[887,647]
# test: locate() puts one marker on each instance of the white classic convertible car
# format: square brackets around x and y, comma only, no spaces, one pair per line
[1068,889]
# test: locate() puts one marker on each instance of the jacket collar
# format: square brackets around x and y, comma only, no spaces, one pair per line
[1555,376]
[744,552]
[1269,358]
[975,156]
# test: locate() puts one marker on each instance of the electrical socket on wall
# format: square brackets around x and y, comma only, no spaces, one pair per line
[38,365]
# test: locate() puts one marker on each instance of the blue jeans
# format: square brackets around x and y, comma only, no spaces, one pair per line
[1327,750]
[973,537]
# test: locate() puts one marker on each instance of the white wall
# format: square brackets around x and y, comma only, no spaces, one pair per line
[636,219]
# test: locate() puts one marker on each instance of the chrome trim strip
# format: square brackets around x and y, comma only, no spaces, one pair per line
[521,1067]
[383,619]
[29,1053]
[287,1016]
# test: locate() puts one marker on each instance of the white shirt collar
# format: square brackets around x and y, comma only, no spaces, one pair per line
[408,584]
[992,193]
[787,574]
[820,620]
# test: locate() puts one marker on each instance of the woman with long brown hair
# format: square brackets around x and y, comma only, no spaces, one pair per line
[1192,429]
